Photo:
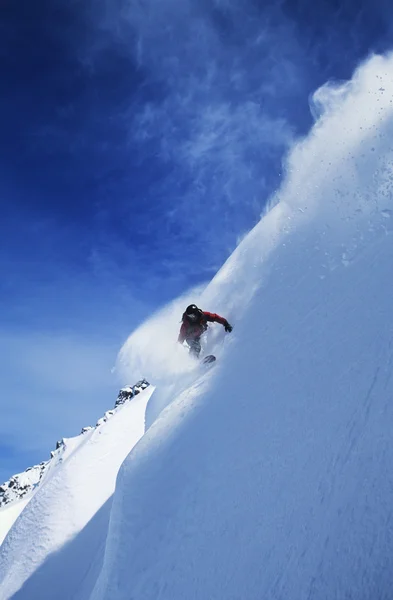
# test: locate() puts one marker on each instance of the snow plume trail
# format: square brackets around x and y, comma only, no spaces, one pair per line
[277,476]
[152,350]
[325,172]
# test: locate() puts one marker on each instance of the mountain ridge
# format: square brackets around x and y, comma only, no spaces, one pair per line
[20,488]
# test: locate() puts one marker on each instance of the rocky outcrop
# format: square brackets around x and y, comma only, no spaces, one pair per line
[129,392]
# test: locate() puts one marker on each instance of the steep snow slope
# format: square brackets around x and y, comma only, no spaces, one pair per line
[270,476]
[55,548]
[9,514]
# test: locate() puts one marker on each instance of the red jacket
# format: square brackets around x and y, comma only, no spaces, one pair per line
[191,331]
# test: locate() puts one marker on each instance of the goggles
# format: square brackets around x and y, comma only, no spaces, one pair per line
[192,317]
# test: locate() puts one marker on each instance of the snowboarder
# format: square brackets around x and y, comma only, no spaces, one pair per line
[194,324]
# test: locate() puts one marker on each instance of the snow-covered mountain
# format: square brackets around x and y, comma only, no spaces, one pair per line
[269,474]
[20,488]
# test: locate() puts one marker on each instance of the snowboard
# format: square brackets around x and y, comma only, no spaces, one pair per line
[210,358]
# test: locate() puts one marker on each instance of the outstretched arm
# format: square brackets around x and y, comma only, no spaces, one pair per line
[214,318]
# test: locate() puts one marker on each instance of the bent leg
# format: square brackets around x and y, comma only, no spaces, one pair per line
[195,347]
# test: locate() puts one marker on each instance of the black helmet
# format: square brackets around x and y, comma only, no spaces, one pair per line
[192,309]
[193,313]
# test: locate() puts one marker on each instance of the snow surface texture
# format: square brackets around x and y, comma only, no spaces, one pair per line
[272,476]
[268,475]
[73,496]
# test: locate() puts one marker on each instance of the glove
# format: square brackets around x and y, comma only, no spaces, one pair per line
[228,328]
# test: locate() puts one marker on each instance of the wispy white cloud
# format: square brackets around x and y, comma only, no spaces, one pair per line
[204,116]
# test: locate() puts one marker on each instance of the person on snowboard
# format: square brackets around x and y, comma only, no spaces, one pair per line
[194,324]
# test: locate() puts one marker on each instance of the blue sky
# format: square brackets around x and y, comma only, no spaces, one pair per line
[139,142]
